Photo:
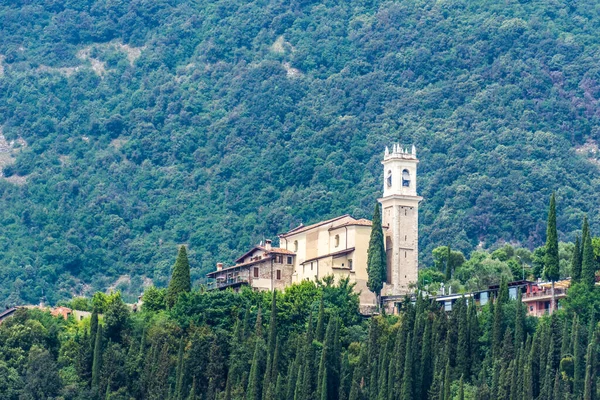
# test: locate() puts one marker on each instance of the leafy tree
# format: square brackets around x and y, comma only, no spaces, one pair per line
[116,318]
[180,278]
[41,380]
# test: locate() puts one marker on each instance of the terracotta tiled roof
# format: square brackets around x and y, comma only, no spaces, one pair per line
[279,250]
[267,257]
[303,228]
[358,222]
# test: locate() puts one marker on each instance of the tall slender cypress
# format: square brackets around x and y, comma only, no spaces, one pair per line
[519,321]
[576,262]
[376,257]
[462,346]
[448,263]
[551,261]
[588,264]
[97,358]
[180,278]
[408,378]
[590,373]
[320,331]
[179,373]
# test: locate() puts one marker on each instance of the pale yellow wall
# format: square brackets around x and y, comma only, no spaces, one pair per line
[320,241]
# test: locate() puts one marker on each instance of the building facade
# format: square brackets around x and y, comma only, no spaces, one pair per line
[338,247]
[262,268]
[400,219]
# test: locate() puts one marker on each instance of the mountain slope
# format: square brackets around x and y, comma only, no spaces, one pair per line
[150,123]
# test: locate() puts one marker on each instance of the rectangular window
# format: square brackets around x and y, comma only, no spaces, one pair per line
[256,272]
[448,305]
[289,260]
[483,298]
[350,264]
[530,308]
[311,267]
[278,274]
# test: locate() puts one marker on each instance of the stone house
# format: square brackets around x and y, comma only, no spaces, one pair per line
[262,268]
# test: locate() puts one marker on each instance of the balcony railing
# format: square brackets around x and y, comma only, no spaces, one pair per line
[238,280]
[545,294]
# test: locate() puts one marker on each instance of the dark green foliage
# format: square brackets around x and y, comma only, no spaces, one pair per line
[424,353]
[376,257]
[551,262]
[97,360]
[180,278]
[122,167]
[116,318]
[576,262]
[588,263]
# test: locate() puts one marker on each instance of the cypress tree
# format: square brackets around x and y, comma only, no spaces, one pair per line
[576,262]
[497,331]
[345,378]
[590,373]
[320,331]
[473,336]
[551,262]
[447,383]
[355,388]
[192,395]
[503,296]
[461,388]
[326,365]
[588,264]
[448,263]
[179,373]
[93,329]
[519,321]
[462,349]
[426,365]
[280,388]
[307,388]
[579,351]
[407,376]
[376,257]
[253,392]
[180,278]
[97,357]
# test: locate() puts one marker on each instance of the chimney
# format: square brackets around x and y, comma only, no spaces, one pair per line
[219,266]
[268,245]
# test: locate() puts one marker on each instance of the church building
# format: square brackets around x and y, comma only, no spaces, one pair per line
[338,247]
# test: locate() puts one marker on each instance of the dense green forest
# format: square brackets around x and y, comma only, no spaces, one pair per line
[131,126]
[306,343]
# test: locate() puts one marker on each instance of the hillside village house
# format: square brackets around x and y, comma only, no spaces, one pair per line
[338,247]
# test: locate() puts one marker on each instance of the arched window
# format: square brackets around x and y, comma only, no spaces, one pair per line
[388,180]
[295,246]
[337,240]
[405,178]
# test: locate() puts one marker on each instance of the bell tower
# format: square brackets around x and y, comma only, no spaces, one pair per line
[400,219]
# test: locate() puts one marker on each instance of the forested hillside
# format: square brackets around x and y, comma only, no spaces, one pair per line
[131,126]
[309,343]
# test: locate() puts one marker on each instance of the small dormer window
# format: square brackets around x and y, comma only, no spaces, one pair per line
[405,178]
[337,240]
[388,180]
